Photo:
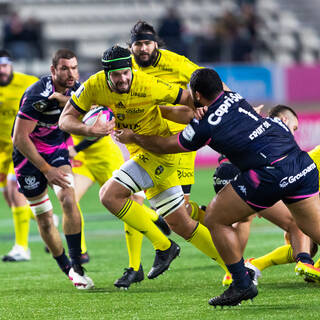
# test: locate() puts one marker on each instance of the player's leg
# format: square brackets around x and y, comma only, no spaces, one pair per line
[307,215]
[180,222]
[72,230]
[115,196]
[22,214]
[222,212]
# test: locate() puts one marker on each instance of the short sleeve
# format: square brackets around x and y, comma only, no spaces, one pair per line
[82,98]
[195,135]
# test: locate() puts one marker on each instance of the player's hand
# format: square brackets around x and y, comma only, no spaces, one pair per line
[101,128]
[58,177]
[124,136]
[62,99]
[199,112]
[258,108]
[72,152]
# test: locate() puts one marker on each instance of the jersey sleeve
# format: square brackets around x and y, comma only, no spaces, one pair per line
[82,99]
[163,92]
[194,136]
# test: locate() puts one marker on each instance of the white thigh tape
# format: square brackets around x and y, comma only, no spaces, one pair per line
[70,179]
[40,205]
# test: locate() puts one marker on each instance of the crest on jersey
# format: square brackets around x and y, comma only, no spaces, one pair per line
[120,116]
[159,170]
[120,105]
[40,105]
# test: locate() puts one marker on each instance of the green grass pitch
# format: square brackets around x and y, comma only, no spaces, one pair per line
[38,290]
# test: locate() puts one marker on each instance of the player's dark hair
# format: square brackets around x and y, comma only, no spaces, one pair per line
[62,54]
[280,108]
[115,52]
[143,27]
[5,53]
[207,82]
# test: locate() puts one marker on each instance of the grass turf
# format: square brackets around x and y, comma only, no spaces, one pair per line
[38,290]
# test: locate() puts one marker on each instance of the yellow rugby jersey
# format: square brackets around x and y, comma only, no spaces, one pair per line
[137,110]
[172,68]
[10,96]
[315,156]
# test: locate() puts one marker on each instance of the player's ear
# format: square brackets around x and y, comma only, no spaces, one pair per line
[52,70]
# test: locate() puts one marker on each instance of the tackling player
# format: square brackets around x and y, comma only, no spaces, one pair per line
[134,97]
[272,166]
[41,157]
[12,86]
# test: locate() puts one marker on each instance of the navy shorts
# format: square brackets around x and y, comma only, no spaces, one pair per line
[292,179]
[31,180]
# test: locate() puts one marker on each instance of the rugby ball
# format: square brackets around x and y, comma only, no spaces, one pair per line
[91,116]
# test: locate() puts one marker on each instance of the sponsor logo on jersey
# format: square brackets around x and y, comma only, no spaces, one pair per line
[135,110]
[260,130]
[215,118]
[57,159]
[184,174]
[120,116]
[188,133]
[221,182]
[243,189]
[31,183]
[128,126]
[159,170]
[292,179]
[139,94]
[143,158]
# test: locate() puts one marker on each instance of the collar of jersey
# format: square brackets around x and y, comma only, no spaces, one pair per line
[157,60]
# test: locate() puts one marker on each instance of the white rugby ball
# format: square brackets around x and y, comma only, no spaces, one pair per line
[91,116]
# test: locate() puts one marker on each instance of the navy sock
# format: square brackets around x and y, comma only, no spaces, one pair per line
[240,274]
[74,245]
[63,263]
[304,257]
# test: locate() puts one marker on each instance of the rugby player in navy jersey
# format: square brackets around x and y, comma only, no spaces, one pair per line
[41,157]
[272,166]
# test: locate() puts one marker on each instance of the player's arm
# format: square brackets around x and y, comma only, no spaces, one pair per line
[21,140]
[69,122]
[154,144]
[179,114]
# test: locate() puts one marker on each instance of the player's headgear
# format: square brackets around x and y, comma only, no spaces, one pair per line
[225,173]
[143,31]
[116,58]
[5,57]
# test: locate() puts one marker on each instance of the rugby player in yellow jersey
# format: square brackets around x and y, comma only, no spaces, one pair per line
[12,86]
[134,97]
[172,68]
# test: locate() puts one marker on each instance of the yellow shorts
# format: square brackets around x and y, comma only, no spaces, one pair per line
[5,161]
[161,169]
[315,156]
[186,168]
[98,161]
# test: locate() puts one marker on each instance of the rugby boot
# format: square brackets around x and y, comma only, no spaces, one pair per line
[233,296]
[129,276]
[163,259]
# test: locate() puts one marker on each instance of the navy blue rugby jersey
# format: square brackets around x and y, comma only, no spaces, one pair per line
[233,128]
[35,106]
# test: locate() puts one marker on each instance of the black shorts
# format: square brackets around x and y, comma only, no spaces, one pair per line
[31,180]
[292,179]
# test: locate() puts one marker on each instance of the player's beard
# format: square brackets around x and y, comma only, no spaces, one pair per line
[149,62]
[7,80]
[64,83]
[197,104]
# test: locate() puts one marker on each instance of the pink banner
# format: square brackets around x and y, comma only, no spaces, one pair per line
[307,137]
[302,83]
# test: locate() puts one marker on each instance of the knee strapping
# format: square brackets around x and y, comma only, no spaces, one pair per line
[40,205]
[124,179]
[170,204]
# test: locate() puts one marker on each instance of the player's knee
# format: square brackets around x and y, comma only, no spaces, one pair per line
[45,222]
[41,205]
[67,200]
